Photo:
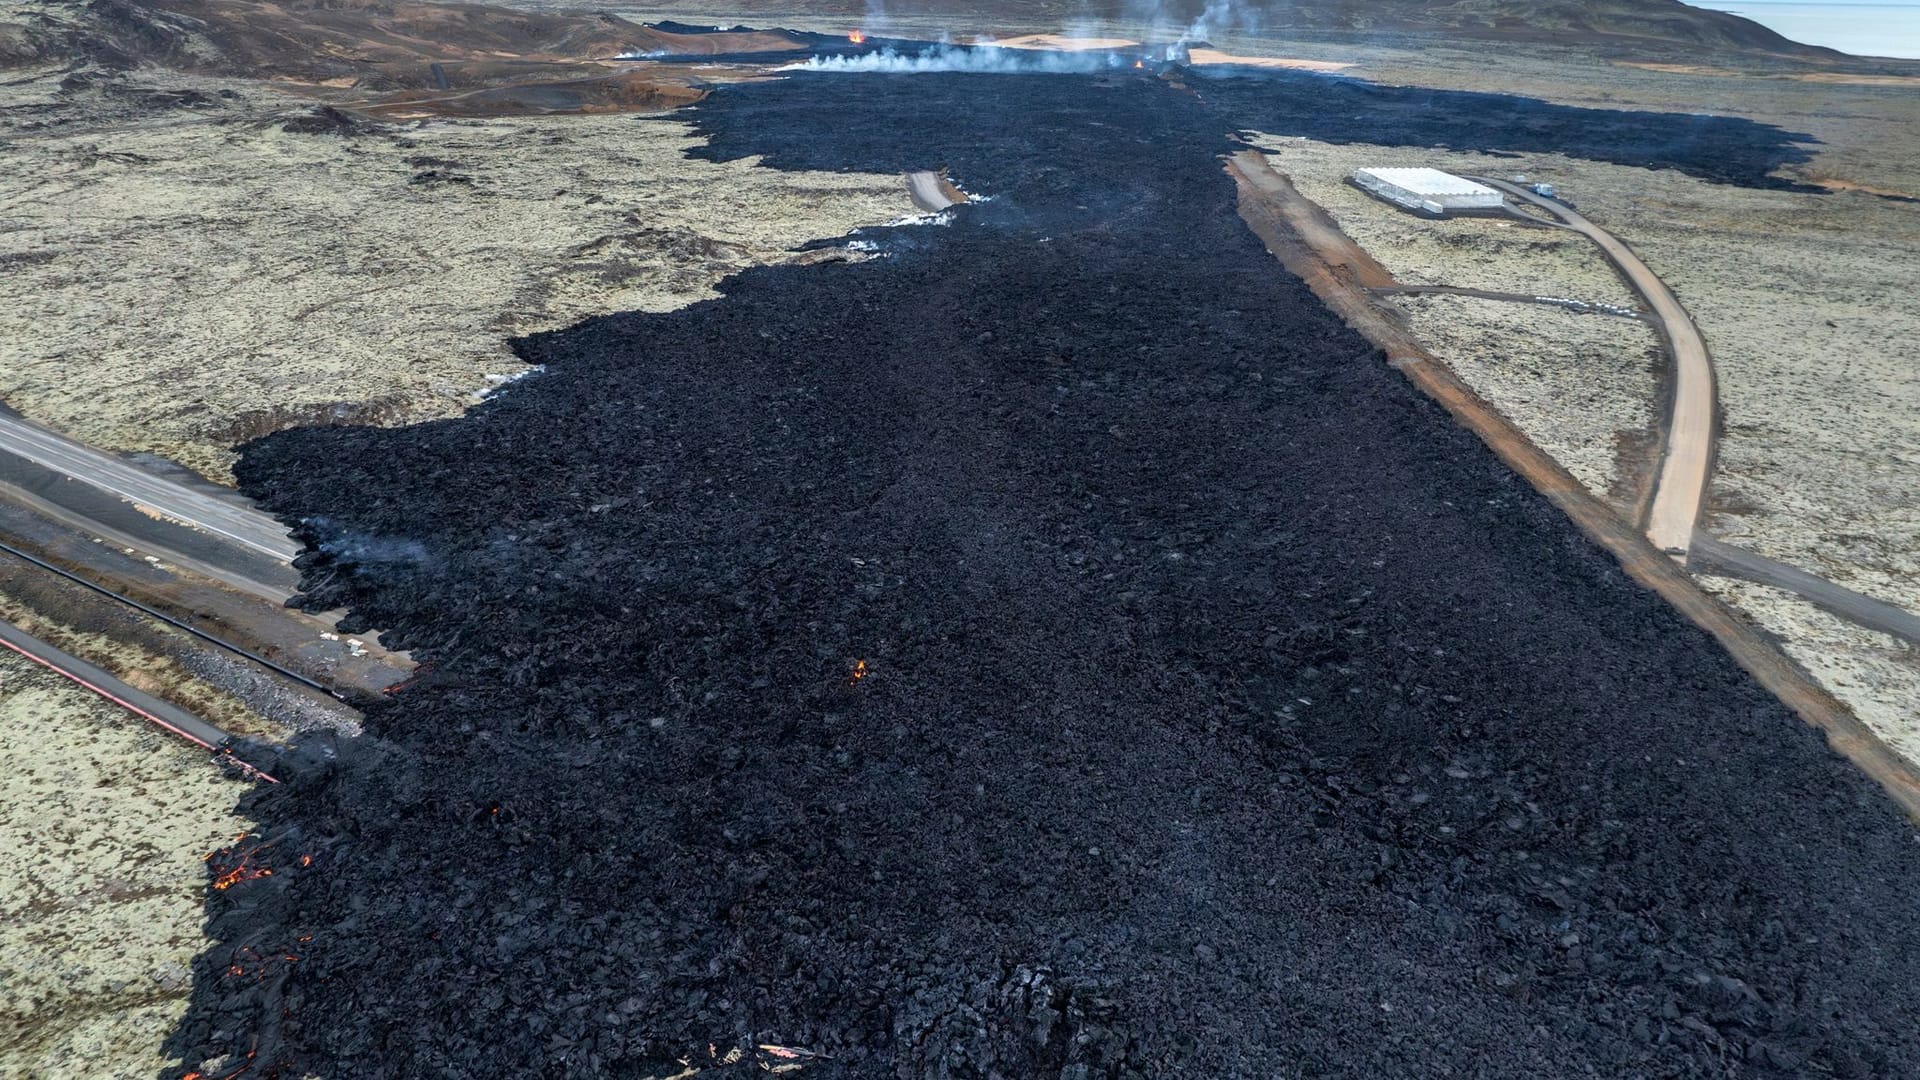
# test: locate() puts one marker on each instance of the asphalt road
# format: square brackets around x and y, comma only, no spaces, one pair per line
[1510,297]
[1715,557]
[1681,486]
[249,529]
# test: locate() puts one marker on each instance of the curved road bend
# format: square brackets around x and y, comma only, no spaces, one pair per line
[1680,489]
[250,529]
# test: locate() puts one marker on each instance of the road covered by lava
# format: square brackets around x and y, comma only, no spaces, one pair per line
[1056,648]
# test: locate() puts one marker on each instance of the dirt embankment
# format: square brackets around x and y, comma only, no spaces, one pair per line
[1801,298]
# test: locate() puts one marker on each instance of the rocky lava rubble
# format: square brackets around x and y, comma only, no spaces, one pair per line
[1058,648]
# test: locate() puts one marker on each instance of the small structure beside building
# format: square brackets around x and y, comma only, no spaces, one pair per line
[1427,191]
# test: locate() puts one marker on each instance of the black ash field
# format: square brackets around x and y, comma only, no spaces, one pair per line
[1059,648]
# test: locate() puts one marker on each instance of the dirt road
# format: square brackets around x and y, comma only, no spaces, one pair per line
[1680,489]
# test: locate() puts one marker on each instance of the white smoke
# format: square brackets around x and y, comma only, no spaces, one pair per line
[1220,15]
[990,59]
[353,546]
[939,217]
[1164,20]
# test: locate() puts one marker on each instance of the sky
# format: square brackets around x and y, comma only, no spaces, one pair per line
[1886,28]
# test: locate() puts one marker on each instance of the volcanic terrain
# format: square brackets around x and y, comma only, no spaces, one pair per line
[1056,648]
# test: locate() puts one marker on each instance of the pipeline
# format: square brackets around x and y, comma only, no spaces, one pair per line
[171,621]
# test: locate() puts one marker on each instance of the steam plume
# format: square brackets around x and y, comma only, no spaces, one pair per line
[989,59]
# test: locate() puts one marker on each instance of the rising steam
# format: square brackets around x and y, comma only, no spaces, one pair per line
[984,59]
[1165,21]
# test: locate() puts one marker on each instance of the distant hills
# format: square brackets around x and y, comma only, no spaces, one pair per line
[1663,26]
[1615,22]
[324,40]
[360,40]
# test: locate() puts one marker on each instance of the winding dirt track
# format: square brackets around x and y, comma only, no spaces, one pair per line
[1686,459]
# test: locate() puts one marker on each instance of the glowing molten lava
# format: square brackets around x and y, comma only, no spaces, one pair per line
[859,671]
[244,869]
[239,874]
[858,37]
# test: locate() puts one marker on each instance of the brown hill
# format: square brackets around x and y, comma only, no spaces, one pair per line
[1613,22]
[375,43]
[354,40]
[1620,26]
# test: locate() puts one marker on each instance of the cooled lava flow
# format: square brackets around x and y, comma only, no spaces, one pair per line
[1059,647]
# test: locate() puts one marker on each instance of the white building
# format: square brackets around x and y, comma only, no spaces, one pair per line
[1430,190]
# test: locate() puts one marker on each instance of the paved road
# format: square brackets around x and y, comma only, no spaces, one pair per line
[1715,557]
[1680,489]
[1510,297]
[249,529]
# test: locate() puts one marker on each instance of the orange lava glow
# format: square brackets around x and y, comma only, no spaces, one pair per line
[243,869]
[238,874]
[857,37]
[859,671]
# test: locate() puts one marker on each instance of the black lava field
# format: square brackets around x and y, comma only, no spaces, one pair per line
[1058,648]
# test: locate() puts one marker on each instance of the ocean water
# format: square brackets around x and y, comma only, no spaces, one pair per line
[1885,29]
